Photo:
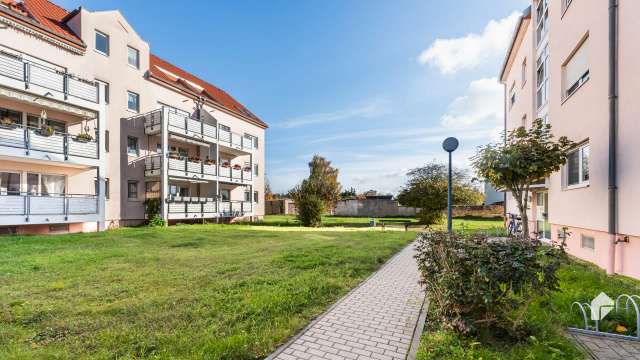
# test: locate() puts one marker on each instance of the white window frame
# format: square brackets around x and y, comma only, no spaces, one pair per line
[542,20]
[98,32]
[512,95]
[542,84]
[570,89]
[591,239]
[137,57]
[581,182]
[524,72]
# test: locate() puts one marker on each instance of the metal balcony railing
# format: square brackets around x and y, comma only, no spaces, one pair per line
[178,123]
[16,67]
[27,138]
[183,164]
[58,204]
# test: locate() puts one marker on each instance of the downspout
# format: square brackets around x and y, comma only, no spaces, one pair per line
[504,110]
[613,129]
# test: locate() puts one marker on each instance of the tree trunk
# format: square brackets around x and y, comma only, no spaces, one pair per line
[521,199]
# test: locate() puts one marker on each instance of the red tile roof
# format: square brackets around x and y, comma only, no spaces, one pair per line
[182,79]
[45,15]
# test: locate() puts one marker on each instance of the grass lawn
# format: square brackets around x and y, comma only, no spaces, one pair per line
[460,224]
[548,317]
[200,291]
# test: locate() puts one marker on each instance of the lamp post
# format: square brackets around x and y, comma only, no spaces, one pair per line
[449,145]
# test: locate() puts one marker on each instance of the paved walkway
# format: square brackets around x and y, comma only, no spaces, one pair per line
[375,321]
[606,348]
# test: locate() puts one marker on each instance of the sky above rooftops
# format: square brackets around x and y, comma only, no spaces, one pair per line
[374,86]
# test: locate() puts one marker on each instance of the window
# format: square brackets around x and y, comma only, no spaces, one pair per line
[542,20]
[34,122]
[132,190]
[105,95]
[578,166]
[132,146]
[512,96]
[576,69]
[225,195]
[106,140]
[255,169]
[107,188]
[9,183]
[587,242]
[177,190]
[255,142]
[524,72]
[44,184]
[152,189]
[255,197]
[102,43]
[133,101]
[247,196]
[133,57]
[542,78]
[14,117]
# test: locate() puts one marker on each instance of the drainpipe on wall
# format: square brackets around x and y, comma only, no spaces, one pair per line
[613,129]
[504,101]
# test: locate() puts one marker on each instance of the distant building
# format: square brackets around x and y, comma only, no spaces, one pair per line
[492,196]
[280,207]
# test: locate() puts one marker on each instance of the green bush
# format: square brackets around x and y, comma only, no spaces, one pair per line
[310,208]
[152,209]
[479,286]
[156,221]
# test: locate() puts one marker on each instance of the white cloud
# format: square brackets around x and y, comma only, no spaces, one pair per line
[467,52]
[480,107]
[368,110]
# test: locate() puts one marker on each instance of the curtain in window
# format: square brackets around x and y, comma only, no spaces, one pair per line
[52,184]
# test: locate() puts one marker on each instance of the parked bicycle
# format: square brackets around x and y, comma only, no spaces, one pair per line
[514,227]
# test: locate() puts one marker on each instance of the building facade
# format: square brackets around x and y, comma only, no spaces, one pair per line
[93,127]
[570,64]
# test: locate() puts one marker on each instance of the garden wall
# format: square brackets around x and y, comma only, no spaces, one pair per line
[373,208]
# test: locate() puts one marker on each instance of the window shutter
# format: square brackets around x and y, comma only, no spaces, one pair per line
[577,65]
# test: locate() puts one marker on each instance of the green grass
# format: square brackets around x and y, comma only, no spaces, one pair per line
[492,225]
[548,317]
[200,291]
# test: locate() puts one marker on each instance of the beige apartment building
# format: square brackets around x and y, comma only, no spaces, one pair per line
[92,125]
[572,63]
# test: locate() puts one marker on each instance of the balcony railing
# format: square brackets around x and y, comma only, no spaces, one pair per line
[178,123]
[233,208]
[235,175]
[31,73]
[27,138]
[235,140]
[26,204]
[192,205]
[190,167]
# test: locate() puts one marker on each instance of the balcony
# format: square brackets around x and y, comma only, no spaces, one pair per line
[20,72]
[191,208]
[234,175]
[22,141]
[181,167]
[179,124]
[232,208]
[25,209]
[235,141]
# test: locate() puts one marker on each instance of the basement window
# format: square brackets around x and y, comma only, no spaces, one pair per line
[587,242]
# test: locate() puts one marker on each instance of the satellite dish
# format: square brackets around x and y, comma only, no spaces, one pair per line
[450,144]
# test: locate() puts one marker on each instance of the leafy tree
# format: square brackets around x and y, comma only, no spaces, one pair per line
[427,189]
[525,157]
[268,193]
[317,193]
[348,193]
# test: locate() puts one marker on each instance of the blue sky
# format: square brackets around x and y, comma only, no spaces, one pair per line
[374,86]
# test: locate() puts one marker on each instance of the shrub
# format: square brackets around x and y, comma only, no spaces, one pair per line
[480,286]
[156,221]
[310,208]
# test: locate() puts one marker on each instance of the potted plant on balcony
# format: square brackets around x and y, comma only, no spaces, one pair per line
[46,130]
[209,162]
[226,164]
[247,168]
[7,123]
[83,138]
[194,159]
[175,156]
[237,167]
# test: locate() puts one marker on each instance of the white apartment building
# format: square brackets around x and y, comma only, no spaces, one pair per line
[93,125]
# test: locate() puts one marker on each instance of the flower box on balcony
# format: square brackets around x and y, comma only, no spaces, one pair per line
[194,159]
[175,156]
[8,124]
[237,167]
[247,168]
[83,138]
[209,162]
[46,131]
[226,164]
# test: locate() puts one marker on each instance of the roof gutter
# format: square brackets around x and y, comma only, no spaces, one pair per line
[613,132]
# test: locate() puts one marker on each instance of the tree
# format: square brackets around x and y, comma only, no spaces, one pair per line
[317,193]
[348,193]
[427,189]
[268,193]
[526,156]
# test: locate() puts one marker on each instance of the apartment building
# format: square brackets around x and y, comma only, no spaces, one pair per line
[93,125]
[571,64]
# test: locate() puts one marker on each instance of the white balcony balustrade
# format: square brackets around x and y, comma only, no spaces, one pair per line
[26,208]
[68,146]
[16,66]
[178,123]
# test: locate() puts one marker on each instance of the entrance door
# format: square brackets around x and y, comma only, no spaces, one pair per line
[542,216]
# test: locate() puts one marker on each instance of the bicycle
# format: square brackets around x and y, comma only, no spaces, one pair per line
[514,227]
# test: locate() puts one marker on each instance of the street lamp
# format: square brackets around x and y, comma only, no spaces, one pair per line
[449,145]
